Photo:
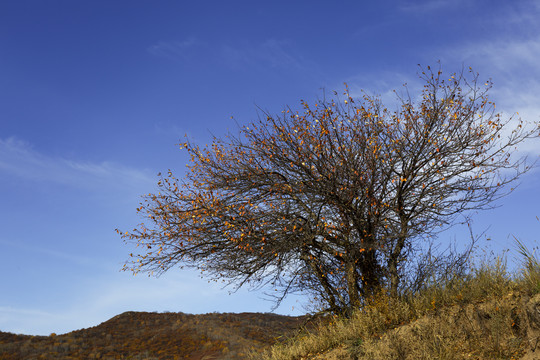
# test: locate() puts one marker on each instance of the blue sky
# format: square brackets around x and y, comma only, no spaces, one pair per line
[95,95]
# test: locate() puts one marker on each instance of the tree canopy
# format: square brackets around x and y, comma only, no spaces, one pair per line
[337,199]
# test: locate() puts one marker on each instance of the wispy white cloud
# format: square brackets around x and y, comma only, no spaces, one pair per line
[274,52]
[509,56]
[270,53]
[173,49]
[19,320]
[19,159]
[511,61]
[386,85]
[426,6]
[517,18]
[177,133]
[27,248]
[33,312]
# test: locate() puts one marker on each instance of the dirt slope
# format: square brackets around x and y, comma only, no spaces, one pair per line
[487,330]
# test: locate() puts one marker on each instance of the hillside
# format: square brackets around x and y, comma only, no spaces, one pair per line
[142,335]
[484,314]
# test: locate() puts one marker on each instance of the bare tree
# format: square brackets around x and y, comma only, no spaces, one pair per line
[336,199]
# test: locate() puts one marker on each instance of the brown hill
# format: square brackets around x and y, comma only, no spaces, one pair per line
[142,335]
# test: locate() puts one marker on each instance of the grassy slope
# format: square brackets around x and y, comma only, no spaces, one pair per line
[488,314]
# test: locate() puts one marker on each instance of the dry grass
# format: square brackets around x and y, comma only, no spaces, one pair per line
[481,315]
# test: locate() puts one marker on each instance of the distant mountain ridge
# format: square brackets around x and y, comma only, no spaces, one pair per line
[144,335]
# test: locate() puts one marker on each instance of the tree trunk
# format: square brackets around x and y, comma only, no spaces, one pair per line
[352,284]
[393,261]
[370,272]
